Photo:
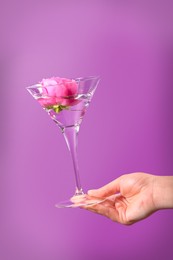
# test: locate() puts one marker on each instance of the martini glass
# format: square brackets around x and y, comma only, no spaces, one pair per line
[67,112]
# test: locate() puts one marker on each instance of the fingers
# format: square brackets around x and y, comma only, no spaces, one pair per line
[106,209]
[107,190]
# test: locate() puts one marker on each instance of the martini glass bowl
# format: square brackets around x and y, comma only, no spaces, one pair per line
[66,102]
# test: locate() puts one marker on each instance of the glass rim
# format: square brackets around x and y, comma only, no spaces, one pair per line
[79,79]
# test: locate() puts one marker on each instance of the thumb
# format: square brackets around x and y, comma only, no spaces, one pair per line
[107,190]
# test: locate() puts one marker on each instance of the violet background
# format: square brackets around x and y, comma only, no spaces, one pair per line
[127,128]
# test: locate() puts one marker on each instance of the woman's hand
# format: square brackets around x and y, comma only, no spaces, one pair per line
[133,197]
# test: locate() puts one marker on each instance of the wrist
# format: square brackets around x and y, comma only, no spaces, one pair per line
[163,192]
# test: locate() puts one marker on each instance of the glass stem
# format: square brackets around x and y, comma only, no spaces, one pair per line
[71,137]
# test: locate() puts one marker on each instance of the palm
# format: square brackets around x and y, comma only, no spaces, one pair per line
[135,201]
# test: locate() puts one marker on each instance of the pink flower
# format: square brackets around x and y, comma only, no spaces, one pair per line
[58,91]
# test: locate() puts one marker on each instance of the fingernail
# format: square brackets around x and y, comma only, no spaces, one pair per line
[90,192]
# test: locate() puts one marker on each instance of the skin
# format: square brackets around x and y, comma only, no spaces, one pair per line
[133,197]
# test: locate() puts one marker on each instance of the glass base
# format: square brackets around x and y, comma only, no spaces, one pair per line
[79,201]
